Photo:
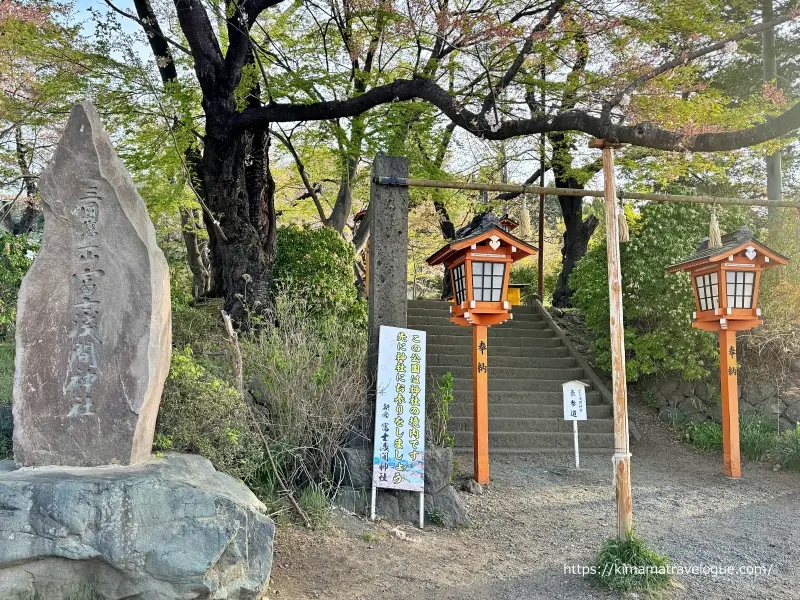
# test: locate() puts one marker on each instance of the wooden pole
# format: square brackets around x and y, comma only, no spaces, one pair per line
[542,150]
[730,403]
[622,456]
[480,400]
[541,248]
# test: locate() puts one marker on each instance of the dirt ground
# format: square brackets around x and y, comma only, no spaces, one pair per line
[539,515]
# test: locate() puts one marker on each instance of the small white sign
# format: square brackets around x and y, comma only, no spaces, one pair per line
[574,401]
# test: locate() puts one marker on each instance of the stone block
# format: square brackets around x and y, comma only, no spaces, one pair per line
[667,386]
[686,388]
[93,322]
[792,412]
[353,467]
[171,528]
[446,507]
[674,398]
[438,469]
[702,391]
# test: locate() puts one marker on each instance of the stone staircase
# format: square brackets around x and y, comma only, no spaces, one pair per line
[528,361]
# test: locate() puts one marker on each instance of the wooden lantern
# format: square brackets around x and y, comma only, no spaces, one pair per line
[479,265]
[725,282]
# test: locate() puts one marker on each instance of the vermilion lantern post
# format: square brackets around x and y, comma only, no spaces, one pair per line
[725,282]
[479,264]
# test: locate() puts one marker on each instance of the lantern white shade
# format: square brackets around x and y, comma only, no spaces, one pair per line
[740,285]
[487,281]
[460,283]
[708,291]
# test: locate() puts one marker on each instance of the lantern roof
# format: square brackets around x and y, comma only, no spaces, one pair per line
[732,243]
[510,223]
[481,228]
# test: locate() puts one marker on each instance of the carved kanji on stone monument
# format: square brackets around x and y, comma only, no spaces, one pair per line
[93,325]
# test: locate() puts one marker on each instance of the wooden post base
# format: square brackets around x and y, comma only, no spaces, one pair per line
[480,402]
[729,386]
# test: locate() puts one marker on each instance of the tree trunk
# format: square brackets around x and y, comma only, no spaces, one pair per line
[576,241]
[195,252]
[31,210]
[239,186]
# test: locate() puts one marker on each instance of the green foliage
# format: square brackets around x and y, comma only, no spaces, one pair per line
[6,373]
[318,263]
[435,516]
[631,566]
[314,504]
[438,413]
[16,255]
[758,435]
[787,449]
[204,415]
[707,436]
[308,383]
[657,305]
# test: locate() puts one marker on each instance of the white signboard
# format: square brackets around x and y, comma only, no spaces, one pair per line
[399,451]
[574,400]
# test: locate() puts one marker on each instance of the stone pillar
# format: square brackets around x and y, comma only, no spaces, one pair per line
[388,254]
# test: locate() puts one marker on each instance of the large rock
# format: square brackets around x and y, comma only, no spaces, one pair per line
[442,505]
[170,529]
[93,324]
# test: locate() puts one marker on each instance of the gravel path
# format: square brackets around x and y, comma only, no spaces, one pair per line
[538,515]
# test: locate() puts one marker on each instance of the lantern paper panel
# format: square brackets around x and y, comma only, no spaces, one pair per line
[487,281]
[708,291]
[740,286]
[460,283]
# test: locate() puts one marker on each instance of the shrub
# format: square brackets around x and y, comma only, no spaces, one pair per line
[658,305]
[314,504]
[787,449]
[16,255]
[6,373]
[319,264]
[438,413]
[707,436]
[204,415]
[6,446]
[308,381]
[758,435]
[615,559]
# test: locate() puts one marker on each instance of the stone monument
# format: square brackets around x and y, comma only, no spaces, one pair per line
[91,506]
[93,324]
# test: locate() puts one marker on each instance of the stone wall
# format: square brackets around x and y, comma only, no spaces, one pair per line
[681,402]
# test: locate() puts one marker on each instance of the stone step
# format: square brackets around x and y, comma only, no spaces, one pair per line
[415,322]
[438,306]
[536,338]
[512,373]
[532,425]
[528,411]
[463,385]
[542,347]
[445,361]
[543,397]
[451,330]
[536,442]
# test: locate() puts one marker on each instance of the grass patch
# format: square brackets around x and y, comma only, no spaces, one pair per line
[6,373]
[314,503]
[707,436]
[758,435]
[435,516]
[631,566]
[372,536]
[787,449]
